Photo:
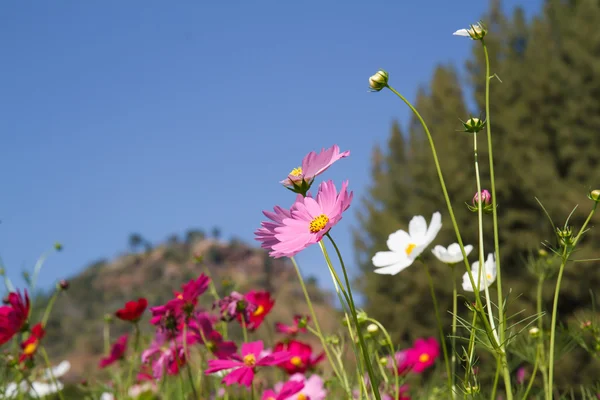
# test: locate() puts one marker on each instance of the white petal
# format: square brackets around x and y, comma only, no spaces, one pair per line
[398,241]
[392,269]
[468,249]
[466,283]
[440,252]
[385,258]
[462,32]
[434,227]
[417,228]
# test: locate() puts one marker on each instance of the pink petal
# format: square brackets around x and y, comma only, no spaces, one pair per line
[252,348]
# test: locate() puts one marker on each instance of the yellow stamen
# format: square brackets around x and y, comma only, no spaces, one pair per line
[249,360]
[296,171]
[318,223]
[297,361]
[259,311]
[302,397]
[424,358]
[30,348]
[410,248]
[489,277]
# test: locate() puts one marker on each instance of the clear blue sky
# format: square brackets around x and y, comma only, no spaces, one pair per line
[155,117]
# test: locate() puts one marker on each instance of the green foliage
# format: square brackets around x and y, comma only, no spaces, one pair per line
[545,119]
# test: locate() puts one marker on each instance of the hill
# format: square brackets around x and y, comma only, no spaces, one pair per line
[75,329]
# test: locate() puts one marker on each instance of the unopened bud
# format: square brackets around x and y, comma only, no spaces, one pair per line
[383,361]
[362,317]
[486,202]
[472,389]
[595,195]
[2,271]
[474,125]
[378,81]
[534,332]
[565,235]
[198,258]
[333,339]
[542,253]
[372,328]
[58,246]
[63,284]
[108,318]
[586,324]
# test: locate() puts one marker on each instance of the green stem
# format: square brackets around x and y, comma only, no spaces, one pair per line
[244,329]
[388,339]
[535,368]
[501,316]
[541,344]
[317,325]
[49,308]
[566,254]
[440,327]
[187,361]
[446,198]
[372,377]
[471,350]
[453,341]
[496,379]
[52,377]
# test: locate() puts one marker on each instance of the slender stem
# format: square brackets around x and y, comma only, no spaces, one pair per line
[446,198]
[454,319]
[501,316]
[440,327]
[244,329]
[482,270]
[388,339]
[496,379]
[361,340]
[187,360]
[317,325]
[52,377]
[541,344]
[535,368]
[49,308]
[566,253]
[471,350]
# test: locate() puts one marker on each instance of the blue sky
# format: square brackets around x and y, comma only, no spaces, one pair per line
[156,117]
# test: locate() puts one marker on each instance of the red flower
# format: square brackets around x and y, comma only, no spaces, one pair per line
[302,356]
[117,352]
[298,326]
[30,345]
[14,316]
[133,310]
[262,304]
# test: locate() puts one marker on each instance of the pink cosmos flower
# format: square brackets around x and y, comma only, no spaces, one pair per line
[261,303]
[313,388]
[166,355]
[299,326]
[313,164]
[310,219]
[244,366]
[266,233]
[302,357]
[117,352]
[169,317]
[191,291]
[285,391]
[402,362]
[423,354]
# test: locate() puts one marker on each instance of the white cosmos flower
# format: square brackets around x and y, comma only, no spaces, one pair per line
[488,275]
[57,371]
[41,389]
[475,32]
[452,254]
[405,247]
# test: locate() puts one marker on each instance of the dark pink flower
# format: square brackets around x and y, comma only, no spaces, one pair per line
[165,354]
[261,303]
[133,310]
[244,366]
[235,306]
[302,358]
[117,352]
[201,330]
[299,326]
[423,354]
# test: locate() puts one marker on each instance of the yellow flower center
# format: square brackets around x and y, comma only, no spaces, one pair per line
[318,223]
[424,358]
[259,311]
[180,296]
[30,348]
[489,277]
[249,360]
[297,361]
[302,397]
[410,248]
[296,171]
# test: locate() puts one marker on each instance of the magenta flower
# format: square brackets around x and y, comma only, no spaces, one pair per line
[313,164]
[299,326]
[244,366]
[310,219]
[285,392]
[402,362]
[117,352]
[169,317]
[423,354]
[165,355]
[202,331]
[235,306]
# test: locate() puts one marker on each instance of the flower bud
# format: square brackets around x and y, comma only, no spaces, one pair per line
[333,339]
[534,332]
[198,258]
[362,316]
[486,198]
[378,81]
[63,284]
[586,324]
[58,246]
[383,361]
[542,253]
[473,125]
[372,328]
[472,389]
[565,235]
[595,195]
[2,271]
[108,318]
